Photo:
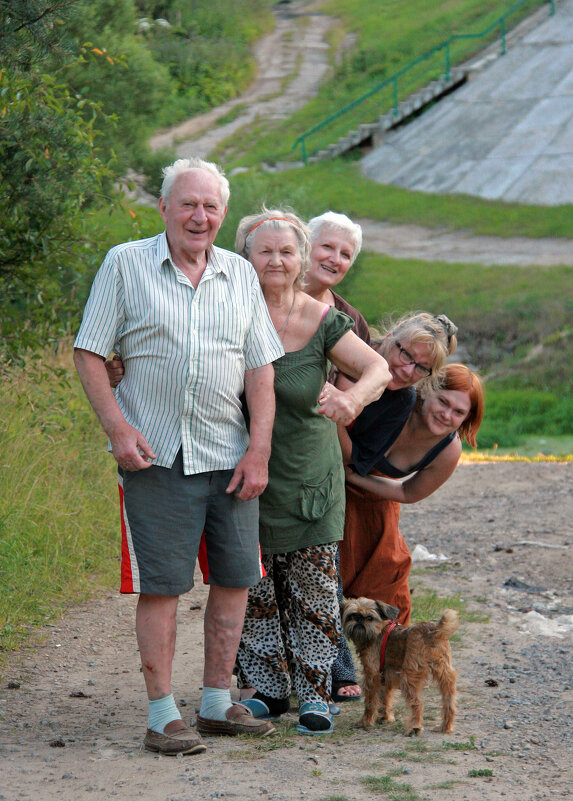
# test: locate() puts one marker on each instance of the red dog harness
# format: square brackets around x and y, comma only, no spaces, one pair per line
[389,628]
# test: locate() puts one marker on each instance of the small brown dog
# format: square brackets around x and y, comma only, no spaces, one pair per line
[412,653]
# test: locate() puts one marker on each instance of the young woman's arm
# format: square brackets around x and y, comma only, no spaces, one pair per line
[418,486]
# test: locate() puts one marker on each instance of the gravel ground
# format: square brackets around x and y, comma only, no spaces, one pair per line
[72,709]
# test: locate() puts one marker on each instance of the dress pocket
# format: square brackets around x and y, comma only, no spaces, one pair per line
[316,498]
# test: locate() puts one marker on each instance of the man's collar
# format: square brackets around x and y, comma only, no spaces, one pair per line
[215,263]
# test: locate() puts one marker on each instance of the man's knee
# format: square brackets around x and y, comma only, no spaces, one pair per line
[226,607]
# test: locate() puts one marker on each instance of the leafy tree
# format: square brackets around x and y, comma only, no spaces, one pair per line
[50,172]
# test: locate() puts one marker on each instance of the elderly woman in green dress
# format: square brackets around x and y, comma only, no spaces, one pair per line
[291,630]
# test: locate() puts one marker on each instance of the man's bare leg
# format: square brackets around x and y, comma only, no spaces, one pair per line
[224,618]
[156,627]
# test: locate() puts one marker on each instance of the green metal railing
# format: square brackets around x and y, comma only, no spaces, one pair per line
[391,85]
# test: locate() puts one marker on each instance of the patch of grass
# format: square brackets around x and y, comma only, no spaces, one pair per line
[54,458]
[385,785]
[469,745]
[258,749]
[480,772]
[428,605]
[447,785]
[318,187]
[534,448]
[334,798]
[417,751]
[231,115]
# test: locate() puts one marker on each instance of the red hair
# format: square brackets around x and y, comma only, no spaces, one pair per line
[461,378]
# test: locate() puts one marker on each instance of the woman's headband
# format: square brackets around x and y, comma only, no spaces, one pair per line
[267,219]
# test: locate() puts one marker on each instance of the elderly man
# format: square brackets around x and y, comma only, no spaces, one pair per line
[193,330]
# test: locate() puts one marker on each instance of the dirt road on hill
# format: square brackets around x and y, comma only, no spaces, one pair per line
[72,711]
[297,47]
[292,61]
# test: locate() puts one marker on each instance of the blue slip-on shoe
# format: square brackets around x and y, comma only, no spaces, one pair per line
[315,718]
[259,709]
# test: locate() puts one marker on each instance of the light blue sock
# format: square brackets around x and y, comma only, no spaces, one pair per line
[215,703]
[161,712]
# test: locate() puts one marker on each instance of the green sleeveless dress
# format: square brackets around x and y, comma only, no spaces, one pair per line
[304,501]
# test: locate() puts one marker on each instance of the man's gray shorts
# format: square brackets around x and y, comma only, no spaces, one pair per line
[164,512]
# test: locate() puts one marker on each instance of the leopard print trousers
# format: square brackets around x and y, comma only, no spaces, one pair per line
[292,626]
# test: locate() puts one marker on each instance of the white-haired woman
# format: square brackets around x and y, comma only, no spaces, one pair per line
[291,631]
[336,242]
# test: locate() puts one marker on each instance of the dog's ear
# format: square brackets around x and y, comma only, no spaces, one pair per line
[343,605]
[386,611]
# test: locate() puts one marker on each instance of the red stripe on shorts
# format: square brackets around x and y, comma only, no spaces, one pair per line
[204,562]
[126,584]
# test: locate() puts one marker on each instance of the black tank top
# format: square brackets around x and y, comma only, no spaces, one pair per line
[394,472]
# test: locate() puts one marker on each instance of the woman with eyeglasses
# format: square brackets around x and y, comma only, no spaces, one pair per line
[374,558]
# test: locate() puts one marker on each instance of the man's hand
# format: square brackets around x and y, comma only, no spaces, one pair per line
[250,477]
[115,371]
[130,448]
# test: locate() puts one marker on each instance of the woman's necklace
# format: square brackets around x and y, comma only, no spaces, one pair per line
[284,325]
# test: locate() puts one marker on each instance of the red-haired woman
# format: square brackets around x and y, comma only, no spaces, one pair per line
[425,453]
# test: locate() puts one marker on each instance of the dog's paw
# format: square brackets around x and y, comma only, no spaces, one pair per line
[444,729]
[414,732]
[366,723]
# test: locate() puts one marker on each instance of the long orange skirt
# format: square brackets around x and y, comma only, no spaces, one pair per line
[374,558]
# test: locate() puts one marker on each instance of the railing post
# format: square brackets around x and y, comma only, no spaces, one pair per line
[502,34]
[448,66]
[395,95]
[552,7]
[303,143]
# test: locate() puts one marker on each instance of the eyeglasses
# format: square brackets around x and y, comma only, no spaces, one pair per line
[406,358]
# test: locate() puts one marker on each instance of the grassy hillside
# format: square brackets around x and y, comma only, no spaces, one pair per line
[390,35]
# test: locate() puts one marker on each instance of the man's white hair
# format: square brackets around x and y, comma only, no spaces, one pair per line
[171,172]
[338,222]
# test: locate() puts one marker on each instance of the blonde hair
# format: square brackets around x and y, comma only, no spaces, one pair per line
[436,331]
[275,220]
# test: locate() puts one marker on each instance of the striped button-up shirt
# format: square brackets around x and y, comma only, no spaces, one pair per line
[185,350]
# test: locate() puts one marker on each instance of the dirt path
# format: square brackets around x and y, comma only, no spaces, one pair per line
[292,62]
[427,244]
[73,727]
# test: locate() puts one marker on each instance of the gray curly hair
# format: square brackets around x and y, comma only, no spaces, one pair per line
[172,171]
[275,220]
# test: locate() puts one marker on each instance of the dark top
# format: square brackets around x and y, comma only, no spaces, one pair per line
[360,325]
[360,329]
[377,427]
[394,472]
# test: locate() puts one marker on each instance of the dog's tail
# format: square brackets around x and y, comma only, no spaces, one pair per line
[447,624]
